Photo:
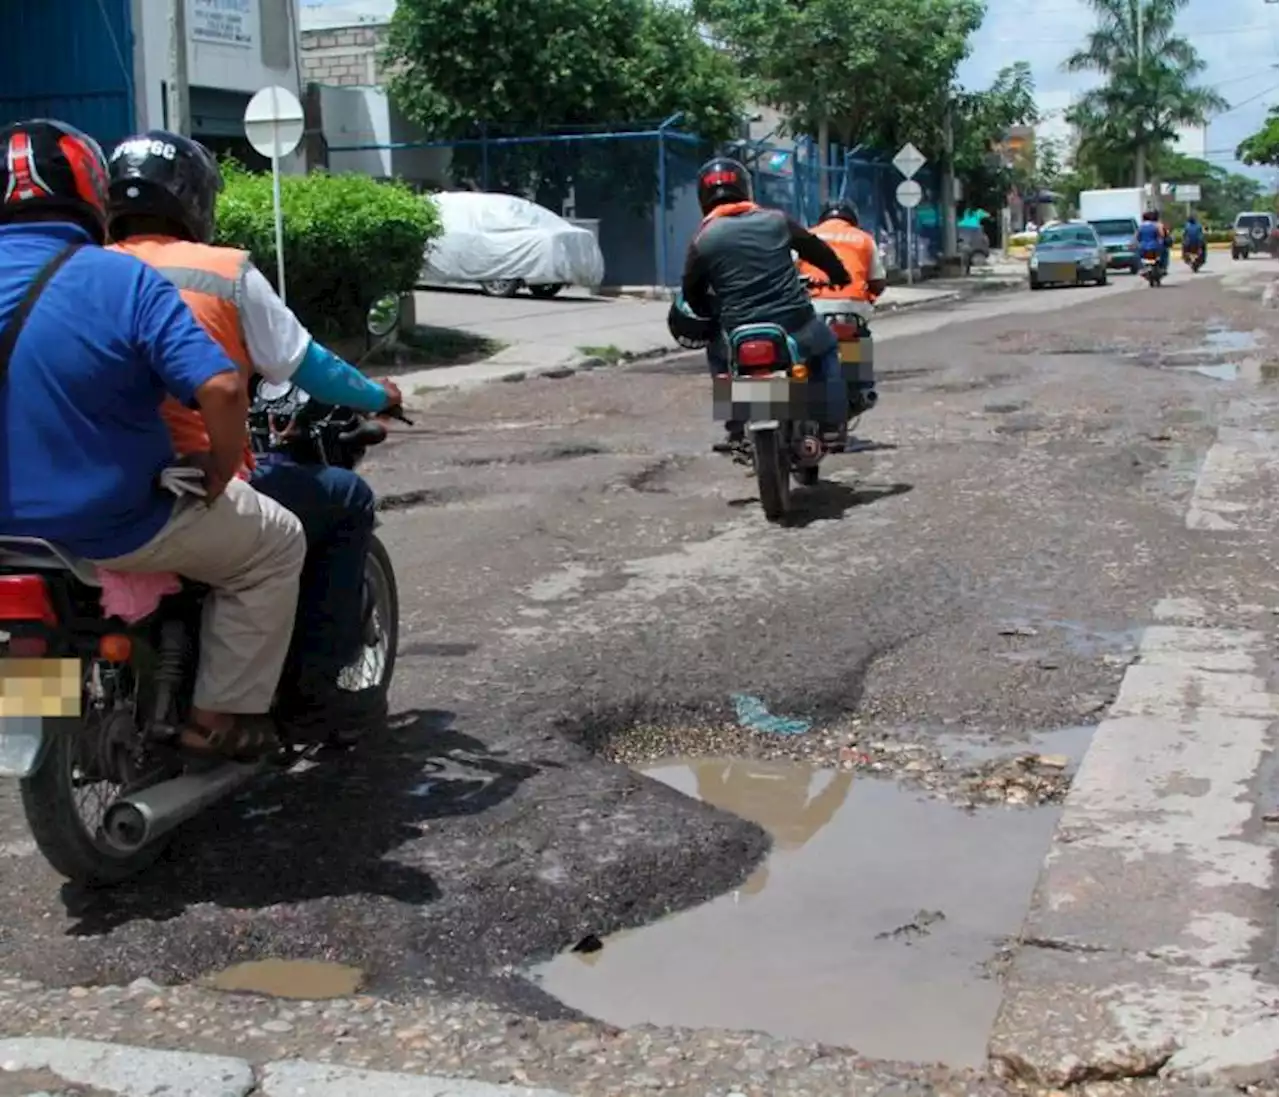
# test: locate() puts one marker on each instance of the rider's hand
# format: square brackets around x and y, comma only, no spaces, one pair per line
[215,483]
[394,398]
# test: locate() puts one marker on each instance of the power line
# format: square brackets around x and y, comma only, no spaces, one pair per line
[1245,102]
[1192,34]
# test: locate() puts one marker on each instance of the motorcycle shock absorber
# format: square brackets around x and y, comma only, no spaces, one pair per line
[172,658]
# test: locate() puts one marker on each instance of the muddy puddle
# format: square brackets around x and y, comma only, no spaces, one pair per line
[872,925]
[306,980]
[1223,356]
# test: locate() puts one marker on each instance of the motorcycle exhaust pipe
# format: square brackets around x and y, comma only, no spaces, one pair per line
[135,821]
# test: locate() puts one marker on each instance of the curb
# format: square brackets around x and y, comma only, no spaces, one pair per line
[126,1071]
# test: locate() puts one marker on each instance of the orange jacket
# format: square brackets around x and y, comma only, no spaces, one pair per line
[856,249]
[208,279]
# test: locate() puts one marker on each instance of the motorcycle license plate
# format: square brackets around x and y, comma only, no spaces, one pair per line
[764,390]
[39,687]
[851,352]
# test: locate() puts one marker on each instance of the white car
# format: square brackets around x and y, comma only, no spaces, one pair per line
[504,242]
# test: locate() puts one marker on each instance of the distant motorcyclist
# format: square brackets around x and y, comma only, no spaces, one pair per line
[1153,239]
[741,253]
[838,227]
[1193,239]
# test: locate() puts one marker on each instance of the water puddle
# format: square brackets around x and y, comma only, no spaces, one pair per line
[1208,358]
[869,925]
[307,980]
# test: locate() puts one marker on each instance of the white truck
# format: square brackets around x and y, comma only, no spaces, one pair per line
[1114,215]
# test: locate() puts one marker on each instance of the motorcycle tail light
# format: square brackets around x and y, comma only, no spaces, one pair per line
[115,648]
[757,352]
[25,598]
[844,332]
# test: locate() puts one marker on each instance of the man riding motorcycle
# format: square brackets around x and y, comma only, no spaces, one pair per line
[162,198]
[1193,239]
[838,227]
[92,342]
[739,268]
[1153,239]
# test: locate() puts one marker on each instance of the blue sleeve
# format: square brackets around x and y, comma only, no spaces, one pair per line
[169,339]
[328,378]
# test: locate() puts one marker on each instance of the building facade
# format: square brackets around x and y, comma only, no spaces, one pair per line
[103,65]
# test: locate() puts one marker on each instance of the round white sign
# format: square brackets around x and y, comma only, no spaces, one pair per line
[273,122]
[909,193]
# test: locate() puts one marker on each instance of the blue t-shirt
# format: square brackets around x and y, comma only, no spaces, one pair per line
[1149,238]
[81,438]
[1193,233]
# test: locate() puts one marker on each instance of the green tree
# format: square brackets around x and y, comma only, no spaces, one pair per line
[870,72]
[461,68]
[1148,89]
[981,119]
[1262,147]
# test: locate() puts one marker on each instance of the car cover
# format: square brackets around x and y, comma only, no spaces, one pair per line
[496,237]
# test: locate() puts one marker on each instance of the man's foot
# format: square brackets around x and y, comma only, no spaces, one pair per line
[242,739]
[835,435]
[733,437]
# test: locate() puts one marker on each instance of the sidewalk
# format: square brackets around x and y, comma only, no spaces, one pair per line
[124,1071]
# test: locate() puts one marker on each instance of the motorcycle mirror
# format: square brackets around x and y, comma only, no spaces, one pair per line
[384,315]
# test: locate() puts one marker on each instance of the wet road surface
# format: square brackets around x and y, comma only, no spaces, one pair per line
[582,580]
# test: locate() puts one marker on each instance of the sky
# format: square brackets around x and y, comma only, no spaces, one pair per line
[1238,39]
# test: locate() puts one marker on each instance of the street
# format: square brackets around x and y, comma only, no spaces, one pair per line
[1054,559]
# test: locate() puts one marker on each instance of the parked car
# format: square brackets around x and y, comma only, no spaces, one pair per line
[1067,253]
[504,242]
[1255,234]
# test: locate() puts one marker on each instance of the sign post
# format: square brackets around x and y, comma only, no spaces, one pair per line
[273,123]
[909,194]
[909,160]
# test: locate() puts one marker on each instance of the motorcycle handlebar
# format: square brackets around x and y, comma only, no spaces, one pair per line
[368,432]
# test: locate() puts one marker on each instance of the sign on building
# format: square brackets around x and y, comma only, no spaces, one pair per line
[224,22]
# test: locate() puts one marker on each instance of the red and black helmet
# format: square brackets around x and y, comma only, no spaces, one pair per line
[46,163]
[722,180]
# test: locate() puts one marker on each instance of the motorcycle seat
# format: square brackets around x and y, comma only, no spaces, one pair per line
[38,554]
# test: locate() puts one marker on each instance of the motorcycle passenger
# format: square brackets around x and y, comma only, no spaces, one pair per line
[82,440]
[1153,240]
[1193,239]
[163,192]
[741,253]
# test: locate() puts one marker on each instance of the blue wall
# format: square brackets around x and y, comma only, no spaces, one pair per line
[71,60]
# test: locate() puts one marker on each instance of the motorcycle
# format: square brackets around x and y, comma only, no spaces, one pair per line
[91,705]
[1194,257]
[1152,269]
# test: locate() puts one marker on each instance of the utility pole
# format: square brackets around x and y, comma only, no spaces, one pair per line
[179,91]
[949,184]
[824,154]
[1140,160]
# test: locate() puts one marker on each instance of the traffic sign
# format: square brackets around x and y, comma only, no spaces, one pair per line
[1187,192]
[909,160]
[909,193]
[273,122]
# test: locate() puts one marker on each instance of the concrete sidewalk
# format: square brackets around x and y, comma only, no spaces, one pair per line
[38,1067]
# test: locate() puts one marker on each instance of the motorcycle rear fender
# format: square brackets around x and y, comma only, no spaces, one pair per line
[23,745]
[763,424]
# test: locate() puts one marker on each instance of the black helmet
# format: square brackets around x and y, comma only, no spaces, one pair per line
[844,210]
[49,164]
[687,328]
[166,176]
[722,180]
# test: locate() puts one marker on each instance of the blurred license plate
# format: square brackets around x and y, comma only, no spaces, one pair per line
[851,352]
[764,390]
[1058,272]
[39,687]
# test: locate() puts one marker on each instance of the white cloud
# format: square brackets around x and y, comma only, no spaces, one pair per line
[321,14]
[1239,60]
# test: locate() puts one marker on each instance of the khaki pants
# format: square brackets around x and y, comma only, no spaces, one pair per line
[249,549]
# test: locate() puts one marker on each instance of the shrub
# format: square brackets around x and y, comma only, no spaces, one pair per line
[348,240]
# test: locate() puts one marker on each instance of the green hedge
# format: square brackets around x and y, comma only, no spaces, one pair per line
[1212,236]
[348,240]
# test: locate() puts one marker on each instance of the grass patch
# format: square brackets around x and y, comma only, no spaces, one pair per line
[608,352]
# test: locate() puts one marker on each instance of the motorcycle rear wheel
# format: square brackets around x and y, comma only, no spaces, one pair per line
[772,474]
[376,662]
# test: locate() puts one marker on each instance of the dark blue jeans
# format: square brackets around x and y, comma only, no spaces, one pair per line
[336,509]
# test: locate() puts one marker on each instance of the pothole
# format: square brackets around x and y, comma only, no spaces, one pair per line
[567,452]
[872,924]
[306,980]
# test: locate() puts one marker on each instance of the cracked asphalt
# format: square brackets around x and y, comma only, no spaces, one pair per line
[582,579]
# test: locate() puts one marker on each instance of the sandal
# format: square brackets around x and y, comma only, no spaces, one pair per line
[248,739]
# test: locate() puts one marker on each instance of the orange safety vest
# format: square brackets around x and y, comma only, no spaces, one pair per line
[208,278]
[856,250]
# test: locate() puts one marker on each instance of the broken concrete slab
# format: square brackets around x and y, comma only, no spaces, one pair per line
[129,1071]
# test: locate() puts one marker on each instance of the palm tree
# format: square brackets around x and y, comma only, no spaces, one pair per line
[1148,91]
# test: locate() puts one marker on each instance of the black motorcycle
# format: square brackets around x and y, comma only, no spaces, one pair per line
[102,778]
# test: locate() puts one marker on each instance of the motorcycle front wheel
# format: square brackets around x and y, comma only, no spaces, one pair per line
[772,474]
